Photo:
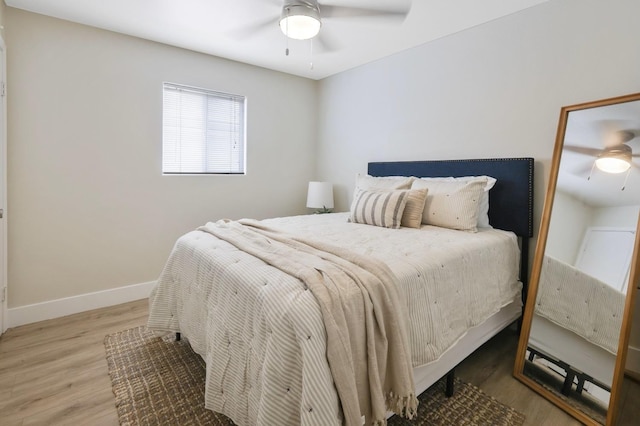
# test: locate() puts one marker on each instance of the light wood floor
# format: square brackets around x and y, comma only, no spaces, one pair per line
[55,373]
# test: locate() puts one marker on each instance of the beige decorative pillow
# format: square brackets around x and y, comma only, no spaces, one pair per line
[412,216]
[483,209]
[452,204]
[386,182]
[379,208]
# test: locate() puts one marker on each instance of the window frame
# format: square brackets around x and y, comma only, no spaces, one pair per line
[239,100]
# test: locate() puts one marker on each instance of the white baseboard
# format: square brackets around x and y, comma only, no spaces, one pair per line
[72,305]
[633,360]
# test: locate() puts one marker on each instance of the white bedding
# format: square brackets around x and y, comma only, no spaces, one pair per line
[264,344]
[580,303]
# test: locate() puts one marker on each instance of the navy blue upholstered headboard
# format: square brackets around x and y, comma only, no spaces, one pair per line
[510,200]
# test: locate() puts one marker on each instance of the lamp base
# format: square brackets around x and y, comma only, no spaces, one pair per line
[323,211]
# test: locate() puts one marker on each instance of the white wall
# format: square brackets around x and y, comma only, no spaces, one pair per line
[2,15]
[621,217]
[569,221]
[492,91]
[88,207]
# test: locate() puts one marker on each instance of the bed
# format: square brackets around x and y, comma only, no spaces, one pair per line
[576,325]
[264,336]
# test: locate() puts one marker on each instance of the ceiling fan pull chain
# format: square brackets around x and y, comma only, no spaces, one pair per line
[591,172]
[286,50]
[311,54]
[624,184]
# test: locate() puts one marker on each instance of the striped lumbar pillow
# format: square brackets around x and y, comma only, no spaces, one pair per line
[379,208]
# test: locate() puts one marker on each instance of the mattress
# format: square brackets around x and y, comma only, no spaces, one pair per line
[564,345]
[263,367]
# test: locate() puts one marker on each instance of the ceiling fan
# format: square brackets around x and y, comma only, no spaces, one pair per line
[302,19]
[616,156]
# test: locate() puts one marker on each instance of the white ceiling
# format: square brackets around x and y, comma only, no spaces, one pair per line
[220,27]
[589,128]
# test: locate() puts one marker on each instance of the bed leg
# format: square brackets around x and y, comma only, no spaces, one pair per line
[449,388]
[580,387]
[177,336]
[568,382]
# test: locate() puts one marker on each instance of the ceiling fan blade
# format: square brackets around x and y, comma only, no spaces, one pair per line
[618,137]
[583,150]
[329,11]
[254,28]
[584,170]
[325,43]
[614,132]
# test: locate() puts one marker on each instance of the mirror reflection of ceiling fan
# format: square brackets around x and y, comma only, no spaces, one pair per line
[616,156]
[302,19]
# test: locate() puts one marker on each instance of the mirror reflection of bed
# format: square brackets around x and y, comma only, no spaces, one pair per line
[578,314]
[574,334]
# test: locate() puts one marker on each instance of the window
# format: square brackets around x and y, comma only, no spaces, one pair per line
[203,132]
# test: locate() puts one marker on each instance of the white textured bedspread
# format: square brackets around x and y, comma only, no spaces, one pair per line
[580,303]
[262,335]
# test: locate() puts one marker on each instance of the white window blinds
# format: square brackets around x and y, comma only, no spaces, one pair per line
[202,131]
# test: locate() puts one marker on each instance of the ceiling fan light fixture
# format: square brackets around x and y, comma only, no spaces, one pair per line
[615,160]
[300,20]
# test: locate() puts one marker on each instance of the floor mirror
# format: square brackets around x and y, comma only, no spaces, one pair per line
[578,316]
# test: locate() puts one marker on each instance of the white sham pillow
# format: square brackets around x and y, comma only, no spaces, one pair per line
[483,208]
[452,204]
[384,182]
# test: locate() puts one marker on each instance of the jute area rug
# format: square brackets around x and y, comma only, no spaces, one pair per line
[158,381]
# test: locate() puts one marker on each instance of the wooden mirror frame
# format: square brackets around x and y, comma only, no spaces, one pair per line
[634,281]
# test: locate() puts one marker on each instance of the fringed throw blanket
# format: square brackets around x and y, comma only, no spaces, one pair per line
[367,346]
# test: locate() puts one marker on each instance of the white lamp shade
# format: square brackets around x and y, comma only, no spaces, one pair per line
[320,195]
